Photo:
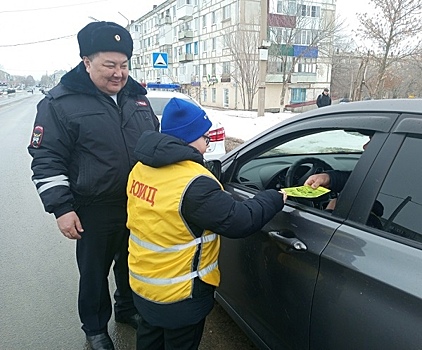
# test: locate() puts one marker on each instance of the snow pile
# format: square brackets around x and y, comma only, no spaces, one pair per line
[246,124]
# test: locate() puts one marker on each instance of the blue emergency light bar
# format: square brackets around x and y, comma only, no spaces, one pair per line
[163,86]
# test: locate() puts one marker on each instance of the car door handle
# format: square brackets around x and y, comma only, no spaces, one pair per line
[291,242]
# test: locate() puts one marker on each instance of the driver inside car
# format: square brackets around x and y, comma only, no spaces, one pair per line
[335,181]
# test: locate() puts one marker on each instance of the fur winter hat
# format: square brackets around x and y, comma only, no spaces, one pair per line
[104,36]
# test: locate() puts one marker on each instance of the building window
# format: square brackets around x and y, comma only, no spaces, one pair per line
[189,48]
[204,70]
[306,65]
[214,44]
[204,94]
[315,11]
[309,11]
[226,67]
[286,7]
[213,17]
[298,95]
[274,67]
[226,40]
[181,3]
[195,47]
[226,98]
[204,21]
[213,70]
[214,95]
[226,12]
[306,36]
[204,46]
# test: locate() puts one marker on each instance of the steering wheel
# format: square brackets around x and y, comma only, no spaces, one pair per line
[317,166]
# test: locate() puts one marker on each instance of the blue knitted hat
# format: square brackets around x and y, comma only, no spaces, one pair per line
[184,120]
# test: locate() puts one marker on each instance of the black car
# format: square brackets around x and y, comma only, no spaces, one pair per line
[315,279]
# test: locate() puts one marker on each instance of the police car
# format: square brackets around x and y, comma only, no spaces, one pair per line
[160,94]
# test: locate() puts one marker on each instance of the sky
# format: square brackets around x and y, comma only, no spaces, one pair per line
[39,37]
[27,21]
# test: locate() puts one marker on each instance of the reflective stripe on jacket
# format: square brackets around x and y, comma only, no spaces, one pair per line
[162,247]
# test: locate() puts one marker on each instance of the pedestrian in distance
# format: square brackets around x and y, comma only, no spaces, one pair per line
[83,142]
[177,210]
[324,99]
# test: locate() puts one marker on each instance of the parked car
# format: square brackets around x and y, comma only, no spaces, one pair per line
[314,279]
[216,147]
[345,100]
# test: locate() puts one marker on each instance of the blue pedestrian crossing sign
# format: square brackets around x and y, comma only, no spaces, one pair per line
[159,60]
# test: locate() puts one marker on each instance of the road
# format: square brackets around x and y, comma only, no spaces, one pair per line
[38,269]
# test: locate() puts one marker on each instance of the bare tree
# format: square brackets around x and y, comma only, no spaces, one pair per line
[299,38]
[242,42]
[392,33]
[344,66]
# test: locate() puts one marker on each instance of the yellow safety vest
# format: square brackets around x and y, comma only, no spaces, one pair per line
[161,245]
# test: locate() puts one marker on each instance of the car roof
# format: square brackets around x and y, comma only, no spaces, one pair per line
[166,93]
[388,105]
[381,114]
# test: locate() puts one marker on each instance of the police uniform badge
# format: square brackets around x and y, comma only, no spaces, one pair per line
[37,136]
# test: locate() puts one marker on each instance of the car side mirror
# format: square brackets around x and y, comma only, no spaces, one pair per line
[214,166]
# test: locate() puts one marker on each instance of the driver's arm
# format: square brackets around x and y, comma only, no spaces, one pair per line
[338,179]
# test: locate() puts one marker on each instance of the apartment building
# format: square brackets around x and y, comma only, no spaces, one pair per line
[213,49]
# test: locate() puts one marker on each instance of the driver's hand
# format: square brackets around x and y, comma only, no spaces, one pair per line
[284,195]
[317,180]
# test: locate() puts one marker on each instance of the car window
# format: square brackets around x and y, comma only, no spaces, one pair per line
[398,206]
[304,155]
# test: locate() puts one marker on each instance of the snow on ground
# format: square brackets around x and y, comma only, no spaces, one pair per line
[245,124]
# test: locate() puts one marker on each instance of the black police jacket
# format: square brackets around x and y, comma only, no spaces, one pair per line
[83,142]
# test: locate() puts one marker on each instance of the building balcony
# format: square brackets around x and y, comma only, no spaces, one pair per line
[185,12]
[185,57]
[165,20]
[225,78]
[303,78]
[165,40]
[185,34]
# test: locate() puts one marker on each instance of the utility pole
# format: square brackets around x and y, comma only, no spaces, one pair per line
[263,57]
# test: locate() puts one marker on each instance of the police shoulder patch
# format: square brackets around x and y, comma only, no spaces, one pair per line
[37,136]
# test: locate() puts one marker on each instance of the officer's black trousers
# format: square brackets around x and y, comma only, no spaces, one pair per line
[105,238]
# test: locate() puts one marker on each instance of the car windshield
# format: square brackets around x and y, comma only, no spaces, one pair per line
[334,141]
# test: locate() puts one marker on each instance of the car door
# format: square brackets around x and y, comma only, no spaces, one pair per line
[268,279]
[369,290]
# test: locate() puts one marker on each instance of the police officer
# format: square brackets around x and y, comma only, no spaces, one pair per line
[85,131]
